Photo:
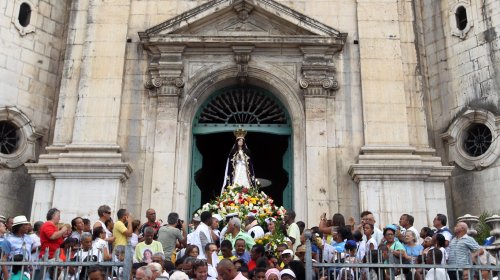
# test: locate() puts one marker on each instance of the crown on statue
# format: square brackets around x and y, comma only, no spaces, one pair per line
[240,133]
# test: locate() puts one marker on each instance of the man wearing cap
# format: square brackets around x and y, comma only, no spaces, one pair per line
[204,233]
[287,257]
[287,274]
[252,226]
[216,218]
[17,243]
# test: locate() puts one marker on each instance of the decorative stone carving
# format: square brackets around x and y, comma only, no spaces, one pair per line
[24,28]
[165,86]
[242,57]
[318,72]
[165,70]
[456,30]
[456,135]
[471,222]
[27,134]
[243,9]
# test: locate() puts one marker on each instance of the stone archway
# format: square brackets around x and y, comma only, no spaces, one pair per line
[268,125]
[280,87]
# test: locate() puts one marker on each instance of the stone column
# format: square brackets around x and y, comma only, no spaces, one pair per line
[394,178]
[165,85]
[85,163]
[318,84]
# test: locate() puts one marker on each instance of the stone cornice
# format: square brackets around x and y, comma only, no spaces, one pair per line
[336,44]
[398,163]
[215,6]
[81,161]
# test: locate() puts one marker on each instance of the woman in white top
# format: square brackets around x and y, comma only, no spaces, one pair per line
[371,243]
[104,212]
[100,244]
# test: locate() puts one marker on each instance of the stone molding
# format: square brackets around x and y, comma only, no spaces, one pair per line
[166,43]
[23,30]
[28,135]
[318,79]
[455,31]
[165,70]
[81,161]
[453,140]
[242,56]
[394,163]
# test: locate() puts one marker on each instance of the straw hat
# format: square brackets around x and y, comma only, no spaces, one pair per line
[20,220]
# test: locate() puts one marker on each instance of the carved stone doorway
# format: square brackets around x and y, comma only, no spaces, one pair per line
[266,120]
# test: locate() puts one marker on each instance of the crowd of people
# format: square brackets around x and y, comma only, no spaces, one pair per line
[210,247]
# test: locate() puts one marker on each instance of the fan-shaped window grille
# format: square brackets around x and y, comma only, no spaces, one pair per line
[477,140]
[243,105]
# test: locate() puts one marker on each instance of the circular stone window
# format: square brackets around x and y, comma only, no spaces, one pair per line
[477,140]
[9,137]
[469,141]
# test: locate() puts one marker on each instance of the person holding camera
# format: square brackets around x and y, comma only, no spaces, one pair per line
[171,234]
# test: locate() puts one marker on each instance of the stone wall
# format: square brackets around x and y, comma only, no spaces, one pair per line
[30,59]
[462,72]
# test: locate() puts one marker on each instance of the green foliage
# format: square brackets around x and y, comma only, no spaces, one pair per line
[483,230]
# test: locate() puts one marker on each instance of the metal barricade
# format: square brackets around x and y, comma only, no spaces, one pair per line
[45,269]
[378,270]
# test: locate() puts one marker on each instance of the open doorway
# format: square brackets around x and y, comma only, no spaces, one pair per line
[269,152]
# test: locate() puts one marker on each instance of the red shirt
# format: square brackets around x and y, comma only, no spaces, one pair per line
[46,231]
[251,265]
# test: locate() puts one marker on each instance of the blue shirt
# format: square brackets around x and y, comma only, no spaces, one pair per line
[14,245]
[245,257]
[414,251]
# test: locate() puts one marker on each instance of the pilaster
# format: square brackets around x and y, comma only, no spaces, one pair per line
[84,169]
[318,84]
[165,85]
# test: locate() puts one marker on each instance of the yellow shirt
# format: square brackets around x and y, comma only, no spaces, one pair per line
[119,233]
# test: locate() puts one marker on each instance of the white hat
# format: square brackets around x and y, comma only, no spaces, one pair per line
[287,271]
[20,220]
[179,275]
[196,219]
[217,216]
[251,214]
[287,251]
[2,219]
[269,220]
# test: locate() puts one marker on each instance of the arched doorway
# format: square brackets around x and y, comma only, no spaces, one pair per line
[269,138]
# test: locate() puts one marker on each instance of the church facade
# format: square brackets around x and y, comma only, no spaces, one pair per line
[390,106]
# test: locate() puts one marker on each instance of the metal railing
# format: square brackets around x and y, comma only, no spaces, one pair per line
[45,269]
[398,270]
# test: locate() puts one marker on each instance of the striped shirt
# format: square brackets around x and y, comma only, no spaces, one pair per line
[461,249]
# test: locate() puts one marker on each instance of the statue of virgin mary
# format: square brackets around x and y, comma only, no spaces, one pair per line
[239,167]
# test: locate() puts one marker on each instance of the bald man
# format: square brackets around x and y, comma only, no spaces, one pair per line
[227,271]
[463,249]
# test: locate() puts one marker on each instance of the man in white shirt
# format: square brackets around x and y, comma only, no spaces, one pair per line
[203,233]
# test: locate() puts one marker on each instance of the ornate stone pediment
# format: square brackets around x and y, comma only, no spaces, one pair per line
[240,28]
[240,18]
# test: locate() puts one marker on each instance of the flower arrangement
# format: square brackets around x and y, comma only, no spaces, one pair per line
[270,241]
[243,200]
